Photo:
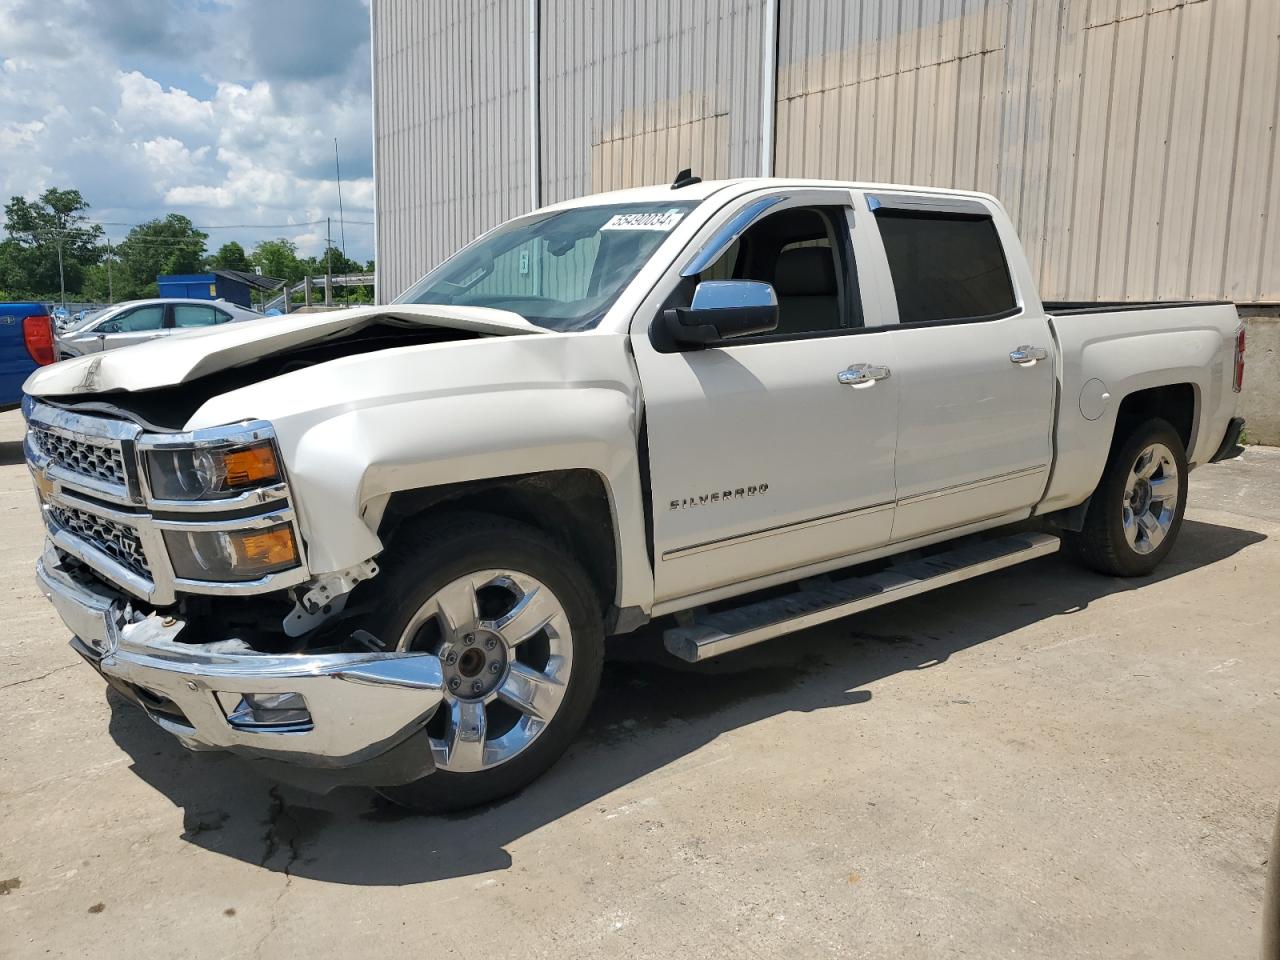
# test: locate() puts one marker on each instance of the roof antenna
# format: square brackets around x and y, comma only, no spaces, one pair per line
[685,178]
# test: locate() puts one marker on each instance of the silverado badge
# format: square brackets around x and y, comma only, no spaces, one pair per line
[720,496]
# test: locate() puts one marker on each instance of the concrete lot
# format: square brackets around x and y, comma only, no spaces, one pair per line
[1041,763]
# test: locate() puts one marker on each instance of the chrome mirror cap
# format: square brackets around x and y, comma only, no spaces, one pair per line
[733,295]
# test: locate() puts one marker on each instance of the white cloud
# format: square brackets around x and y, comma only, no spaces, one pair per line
[145,104]
[19,134]
[116,100]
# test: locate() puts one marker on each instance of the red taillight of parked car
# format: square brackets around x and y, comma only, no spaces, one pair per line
[1237,380]
[37,331]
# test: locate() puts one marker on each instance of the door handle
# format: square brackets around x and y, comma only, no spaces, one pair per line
[1027,356]
[862,375]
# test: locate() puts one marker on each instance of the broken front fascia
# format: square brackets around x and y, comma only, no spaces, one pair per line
[342,716]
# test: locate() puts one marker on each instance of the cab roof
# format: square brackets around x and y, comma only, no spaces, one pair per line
[704,189]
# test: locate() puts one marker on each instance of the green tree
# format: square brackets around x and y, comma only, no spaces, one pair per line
[161,246]
[38,232]
[279,260]
[231,256]
[318,266]
[102,286]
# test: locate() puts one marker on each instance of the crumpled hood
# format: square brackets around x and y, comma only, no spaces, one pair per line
[174,359]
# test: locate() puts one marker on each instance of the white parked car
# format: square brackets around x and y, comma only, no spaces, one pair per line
[137,321]
[384,545]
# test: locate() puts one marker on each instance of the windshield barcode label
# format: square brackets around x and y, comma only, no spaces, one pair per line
[659,220]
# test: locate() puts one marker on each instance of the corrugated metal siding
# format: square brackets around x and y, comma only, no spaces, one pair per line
[886,90]
[450,128]
[633,91]
[1133,141]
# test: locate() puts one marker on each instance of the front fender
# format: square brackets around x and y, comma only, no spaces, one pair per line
[448,440]
[356,430]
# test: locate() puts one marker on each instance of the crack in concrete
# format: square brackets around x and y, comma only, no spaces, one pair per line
[283,830]
[18,683]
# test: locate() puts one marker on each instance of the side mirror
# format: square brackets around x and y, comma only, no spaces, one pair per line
[111,326]
[723,310]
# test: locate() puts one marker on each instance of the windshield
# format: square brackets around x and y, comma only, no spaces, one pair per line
[559,270]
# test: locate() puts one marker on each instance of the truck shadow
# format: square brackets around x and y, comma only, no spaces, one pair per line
[11,453]
[652,711]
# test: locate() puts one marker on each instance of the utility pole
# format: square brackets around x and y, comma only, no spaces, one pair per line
[62,282]
[328,261]
[111,296]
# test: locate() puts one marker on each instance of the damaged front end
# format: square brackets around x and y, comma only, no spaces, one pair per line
[177,562]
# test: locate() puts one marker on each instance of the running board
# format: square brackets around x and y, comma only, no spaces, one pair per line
[712,634]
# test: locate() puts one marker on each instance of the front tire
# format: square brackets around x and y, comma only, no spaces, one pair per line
[518,629]
[1136,510]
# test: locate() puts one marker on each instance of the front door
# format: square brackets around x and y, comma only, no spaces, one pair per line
[766,454]
[134,326]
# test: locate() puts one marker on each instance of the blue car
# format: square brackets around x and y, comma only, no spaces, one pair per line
[26,342]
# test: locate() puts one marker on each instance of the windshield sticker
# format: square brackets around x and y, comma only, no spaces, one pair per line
[662,220]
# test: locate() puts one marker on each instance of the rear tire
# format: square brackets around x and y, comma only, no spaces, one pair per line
[1136,511]
[507,578]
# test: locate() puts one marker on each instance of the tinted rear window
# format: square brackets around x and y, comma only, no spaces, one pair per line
[945,266]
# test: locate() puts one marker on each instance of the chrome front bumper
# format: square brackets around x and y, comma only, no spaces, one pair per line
[363,707]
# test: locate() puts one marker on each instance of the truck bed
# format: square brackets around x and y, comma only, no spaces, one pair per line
[1066,308]
[1110,350]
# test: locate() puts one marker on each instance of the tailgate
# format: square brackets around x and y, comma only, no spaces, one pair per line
[15,362]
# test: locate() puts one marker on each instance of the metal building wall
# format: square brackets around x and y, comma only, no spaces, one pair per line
[633,90]
[450,128]
[1133,141]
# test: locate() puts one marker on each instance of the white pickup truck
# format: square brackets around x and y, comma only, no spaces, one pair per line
[385,545]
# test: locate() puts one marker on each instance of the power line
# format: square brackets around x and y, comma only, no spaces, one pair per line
[220,226]
[230,226]
[83,234]
[342,222]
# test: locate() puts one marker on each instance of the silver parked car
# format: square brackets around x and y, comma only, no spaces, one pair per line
[137,320]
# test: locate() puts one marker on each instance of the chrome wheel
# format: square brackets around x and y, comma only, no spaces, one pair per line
[1150,498]
[506,650]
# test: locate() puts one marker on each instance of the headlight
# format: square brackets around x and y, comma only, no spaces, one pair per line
[211,473]
[231,555]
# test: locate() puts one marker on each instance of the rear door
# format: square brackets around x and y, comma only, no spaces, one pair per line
[191,316]
[974,364]
[762,457]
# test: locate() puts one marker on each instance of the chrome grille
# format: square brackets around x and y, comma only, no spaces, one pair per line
[100,461]
[117,540]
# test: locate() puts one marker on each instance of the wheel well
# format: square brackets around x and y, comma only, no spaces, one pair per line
[1175,403]
[570,506]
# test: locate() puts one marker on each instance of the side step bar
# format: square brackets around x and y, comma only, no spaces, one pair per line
[712,634]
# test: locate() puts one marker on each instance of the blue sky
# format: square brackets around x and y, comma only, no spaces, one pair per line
[223,110]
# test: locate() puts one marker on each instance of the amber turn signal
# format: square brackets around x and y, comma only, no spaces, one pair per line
[249,466]
[265,548]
